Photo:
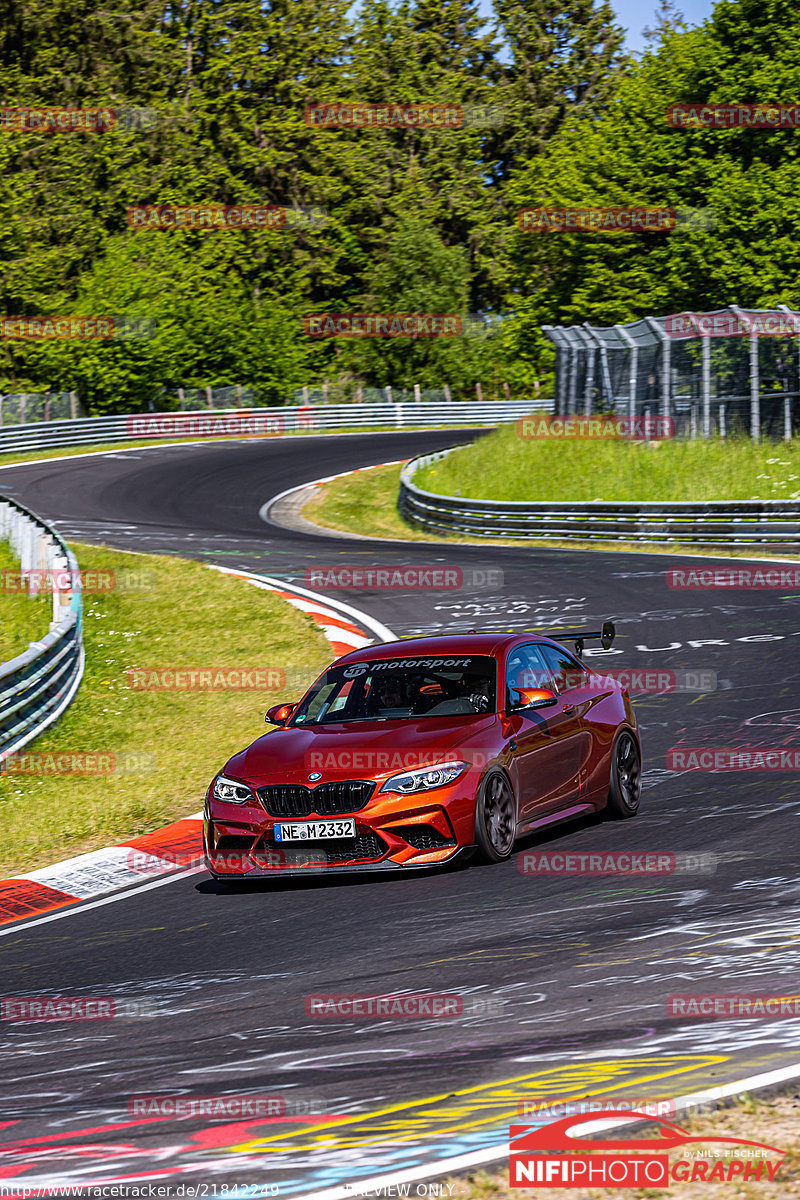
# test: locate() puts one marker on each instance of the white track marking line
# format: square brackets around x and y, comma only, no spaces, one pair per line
[71,910]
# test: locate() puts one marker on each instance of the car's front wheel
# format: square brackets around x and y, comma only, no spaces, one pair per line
[495,817]
[625,783]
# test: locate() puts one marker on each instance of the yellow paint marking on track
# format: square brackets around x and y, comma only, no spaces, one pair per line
[485,1104]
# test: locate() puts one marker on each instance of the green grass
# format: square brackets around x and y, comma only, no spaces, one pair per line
[23,618]
[503,466]
[366,503]
[186,616]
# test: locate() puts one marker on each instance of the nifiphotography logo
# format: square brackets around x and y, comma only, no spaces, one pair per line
[545,1156]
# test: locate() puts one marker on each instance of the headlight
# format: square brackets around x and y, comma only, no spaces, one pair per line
[230,791]
[424,779]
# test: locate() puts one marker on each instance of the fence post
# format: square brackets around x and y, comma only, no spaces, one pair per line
[181,399]
[73,405]
[755,384]
[706,385]
[633,372]
[417,397]
[722,430]
[479,393]
[447,393]
[209,398]
[23,401]
[325,392]
[787,418]
[388,391]
[506,390]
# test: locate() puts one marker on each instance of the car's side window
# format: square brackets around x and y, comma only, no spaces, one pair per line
[525,668]
[567,672]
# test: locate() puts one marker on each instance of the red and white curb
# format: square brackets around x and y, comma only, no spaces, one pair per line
[179,845]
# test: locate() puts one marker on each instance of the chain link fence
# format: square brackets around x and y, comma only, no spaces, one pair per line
[28,408]
[727,372]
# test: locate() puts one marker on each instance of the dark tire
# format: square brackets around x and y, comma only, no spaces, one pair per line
[495,818]
[625,782]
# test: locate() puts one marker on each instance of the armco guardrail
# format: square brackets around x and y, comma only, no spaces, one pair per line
[260,422]
[37,686]
[739,523]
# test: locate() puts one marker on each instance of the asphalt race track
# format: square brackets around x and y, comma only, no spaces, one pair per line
[582,964]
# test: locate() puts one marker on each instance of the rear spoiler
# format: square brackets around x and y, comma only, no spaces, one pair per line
[606,636]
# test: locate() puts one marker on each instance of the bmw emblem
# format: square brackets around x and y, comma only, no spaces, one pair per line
[315,775]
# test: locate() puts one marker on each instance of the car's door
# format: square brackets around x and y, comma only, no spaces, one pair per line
[545,742]
[572,685]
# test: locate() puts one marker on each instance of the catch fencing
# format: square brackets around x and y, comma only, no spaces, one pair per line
[726,372]
[710,522]
[38,685]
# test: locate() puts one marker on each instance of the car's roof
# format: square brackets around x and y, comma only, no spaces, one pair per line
[446,644]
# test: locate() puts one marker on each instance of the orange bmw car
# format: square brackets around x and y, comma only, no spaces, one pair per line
[415,753]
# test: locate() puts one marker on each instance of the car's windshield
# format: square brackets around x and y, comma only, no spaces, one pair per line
[393,689]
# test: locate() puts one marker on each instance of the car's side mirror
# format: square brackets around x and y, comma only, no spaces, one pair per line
[279,714]
[534,698]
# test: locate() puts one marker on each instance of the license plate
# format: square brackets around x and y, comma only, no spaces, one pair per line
[313,831]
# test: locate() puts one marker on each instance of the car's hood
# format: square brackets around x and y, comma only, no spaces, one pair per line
[360,749]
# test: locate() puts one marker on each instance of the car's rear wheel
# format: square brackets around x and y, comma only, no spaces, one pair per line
[495,817]
[625,783]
